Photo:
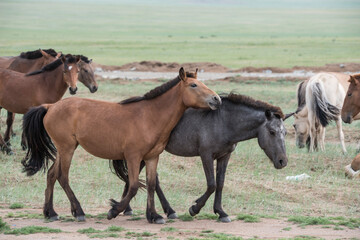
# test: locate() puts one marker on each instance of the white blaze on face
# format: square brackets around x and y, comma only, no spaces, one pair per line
[70,67]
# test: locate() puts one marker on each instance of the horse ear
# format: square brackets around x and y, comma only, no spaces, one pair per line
[182,74]
[288,115]
[58,55]
[45,54]
[196,71]
[352,80]
[90,61]
[63,58]
[77,58]
[268,114]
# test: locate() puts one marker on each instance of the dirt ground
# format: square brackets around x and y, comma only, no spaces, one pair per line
[156,66]
[266,228]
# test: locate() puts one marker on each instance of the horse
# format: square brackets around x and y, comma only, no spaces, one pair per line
[135,129]
[349,112]
[319,101]
[34,60]
[19,92]
[239,118]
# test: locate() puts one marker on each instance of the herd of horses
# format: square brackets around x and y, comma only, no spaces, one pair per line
[181,116]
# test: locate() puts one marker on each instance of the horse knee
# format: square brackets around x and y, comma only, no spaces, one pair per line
[132,191]
[212,187]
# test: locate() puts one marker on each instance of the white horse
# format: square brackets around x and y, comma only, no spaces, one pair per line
[320,101]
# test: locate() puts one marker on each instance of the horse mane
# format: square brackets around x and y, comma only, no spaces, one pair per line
[301,91]
[250,102]
[37,54]
[47,68]
[84,59]
[157,91]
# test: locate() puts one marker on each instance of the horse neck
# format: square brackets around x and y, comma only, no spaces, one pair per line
[242,122]
[54,85]
[166,110]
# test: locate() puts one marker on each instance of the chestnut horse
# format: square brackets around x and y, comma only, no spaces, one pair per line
[135,129]
[19,92]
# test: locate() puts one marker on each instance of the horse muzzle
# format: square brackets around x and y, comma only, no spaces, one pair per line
[93,89]
[281,162]
[347,118]
[73,91]
[215,102]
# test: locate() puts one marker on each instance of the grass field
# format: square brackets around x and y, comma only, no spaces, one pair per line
[252,184]
[233,33]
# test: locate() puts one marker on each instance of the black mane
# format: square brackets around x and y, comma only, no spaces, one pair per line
[250,102]
[84,59]
[37,54]
[301,96]
[154,92]
[47,68]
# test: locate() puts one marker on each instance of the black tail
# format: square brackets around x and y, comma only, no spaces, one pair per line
[40,146]
[324,110]
[120,169]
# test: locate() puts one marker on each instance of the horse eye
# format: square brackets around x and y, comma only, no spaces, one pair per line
[85,70]
[272,132]
[193,85]
[294,126]
[349,94]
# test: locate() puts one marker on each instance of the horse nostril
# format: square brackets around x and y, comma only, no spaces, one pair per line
[281,162]
[216,99]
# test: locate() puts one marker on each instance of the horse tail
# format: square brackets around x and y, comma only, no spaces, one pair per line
[324,110]
[120,169]
[40,146]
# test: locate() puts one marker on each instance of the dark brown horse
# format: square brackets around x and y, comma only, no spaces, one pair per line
[34,60]
[135,129]
[19,92]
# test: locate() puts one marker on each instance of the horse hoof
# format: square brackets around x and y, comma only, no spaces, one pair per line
[225,219]
[80,218]
[191,211]
[10,153]
[128,213]
[172,216]
[54,218]
[160,221]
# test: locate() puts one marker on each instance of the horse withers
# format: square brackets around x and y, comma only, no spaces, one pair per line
[135,129]
[213,135]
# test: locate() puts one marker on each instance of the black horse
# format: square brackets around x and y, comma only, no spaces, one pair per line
[214,135]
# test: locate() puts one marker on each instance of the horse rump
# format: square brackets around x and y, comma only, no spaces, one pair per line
[324,110]
[40,146]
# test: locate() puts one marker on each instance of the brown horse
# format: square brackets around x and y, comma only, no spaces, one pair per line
[135,129]
[19,92]
[34,60]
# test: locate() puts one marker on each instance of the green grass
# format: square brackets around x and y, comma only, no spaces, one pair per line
[235,34]
[105,235]
[16,206]
[143,234]
[186,217]
[169,229]
[25,215]
[248,218]
[351,223]
[88,230]
[31,230]
[3,226]
[219,236]
[109,232]
[209,216]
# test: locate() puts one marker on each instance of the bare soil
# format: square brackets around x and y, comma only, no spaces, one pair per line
[266,228]
[156,66]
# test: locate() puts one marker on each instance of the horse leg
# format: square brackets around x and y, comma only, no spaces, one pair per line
[128,210]
[171,214]
[65,156]
[312,132]
[48,209]
[151,213]
[341,134]
[220,179]
[133,164]
[23,141]
[321,137]
[208,165]
[9,123]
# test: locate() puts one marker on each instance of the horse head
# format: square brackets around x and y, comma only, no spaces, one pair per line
[195,93]
[271,138]
[351,106]
[71,71]
[86,74]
